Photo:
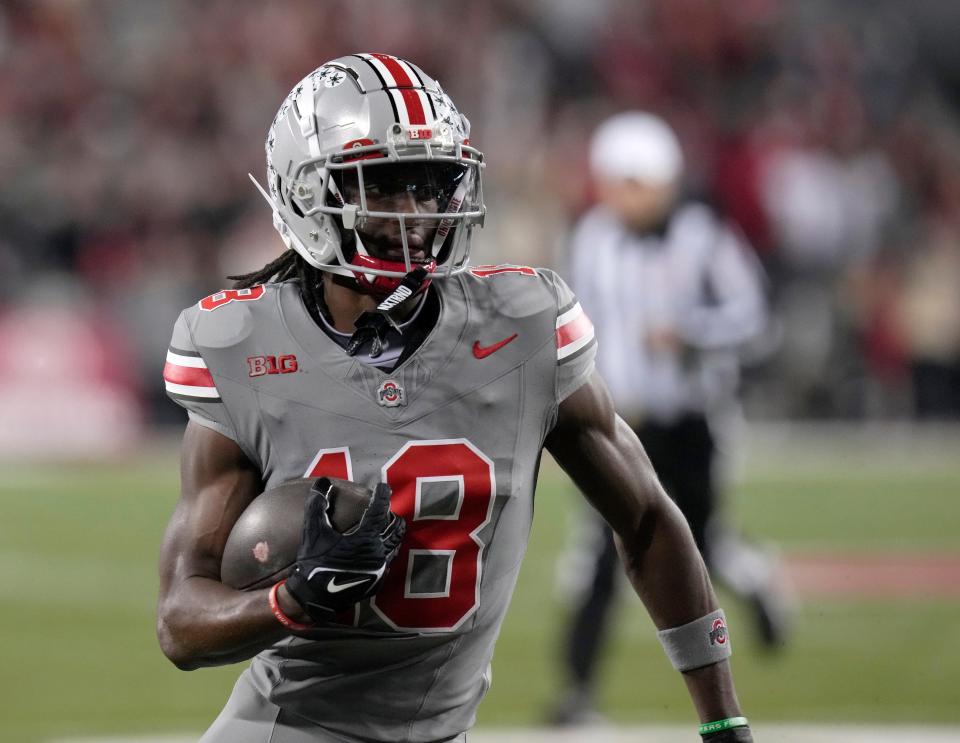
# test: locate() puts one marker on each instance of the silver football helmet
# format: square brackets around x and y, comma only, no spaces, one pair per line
[354,133]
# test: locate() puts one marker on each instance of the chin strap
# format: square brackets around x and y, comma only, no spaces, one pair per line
[372,325]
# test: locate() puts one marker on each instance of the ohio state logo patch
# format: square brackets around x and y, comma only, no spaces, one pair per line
[718,635]
[390,394]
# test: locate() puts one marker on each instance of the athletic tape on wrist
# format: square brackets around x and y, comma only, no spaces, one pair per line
[699,643]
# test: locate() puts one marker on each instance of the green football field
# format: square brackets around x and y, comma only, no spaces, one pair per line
[78,583]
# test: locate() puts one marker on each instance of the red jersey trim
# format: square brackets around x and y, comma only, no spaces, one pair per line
[574,331]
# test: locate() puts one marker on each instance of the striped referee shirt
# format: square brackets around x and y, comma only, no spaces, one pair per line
[697,278]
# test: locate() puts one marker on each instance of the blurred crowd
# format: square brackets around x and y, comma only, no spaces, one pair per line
[827,131]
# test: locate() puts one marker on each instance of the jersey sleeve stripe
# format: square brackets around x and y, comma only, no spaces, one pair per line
[570,314]
[207,393]
[192,394]
[574,331]
[571,352]
[188,375]
[182,352]
[178,358]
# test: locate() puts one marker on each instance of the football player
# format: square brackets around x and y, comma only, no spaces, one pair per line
[372,351]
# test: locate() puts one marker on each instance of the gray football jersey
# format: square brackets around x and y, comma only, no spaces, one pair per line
[456,431]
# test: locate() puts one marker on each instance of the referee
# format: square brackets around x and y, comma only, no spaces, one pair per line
[673,293]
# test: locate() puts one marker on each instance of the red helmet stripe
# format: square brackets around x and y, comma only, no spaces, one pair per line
[406,86]
[409,106]
[411,99]
[400,76]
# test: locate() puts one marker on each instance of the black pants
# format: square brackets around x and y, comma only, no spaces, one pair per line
[682,453]
[936,389]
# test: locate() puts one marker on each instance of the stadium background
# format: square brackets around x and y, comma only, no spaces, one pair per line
[827,131]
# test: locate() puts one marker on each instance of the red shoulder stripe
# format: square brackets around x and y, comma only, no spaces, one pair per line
[188,375]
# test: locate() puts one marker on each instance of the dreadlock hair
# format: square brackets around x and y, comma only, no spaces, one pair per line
[290,265]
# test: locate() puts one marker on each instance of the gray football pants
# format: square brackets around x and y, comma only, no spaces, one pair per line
[248,717]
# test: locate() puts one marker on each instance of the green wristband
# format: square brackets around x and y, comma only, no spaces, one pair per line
[717,725]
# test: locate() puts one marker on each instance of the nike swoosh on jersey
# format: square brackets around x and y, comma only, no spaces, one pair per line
[334,587]
[481,352]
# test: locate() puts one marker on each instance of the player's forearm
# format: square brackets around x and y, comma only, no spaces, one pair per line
[667,572]
[712,691]
[607,462]
[204,623]
[666,569]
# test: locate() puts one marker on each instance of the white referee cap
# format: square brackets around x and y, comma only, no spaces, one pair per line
[638,146]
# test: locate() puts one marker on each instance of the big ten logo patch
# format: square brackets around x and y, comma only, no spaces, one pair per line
[260,365]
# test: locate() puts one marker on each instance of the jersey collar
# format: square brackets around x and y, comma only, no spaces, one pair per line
[423,365]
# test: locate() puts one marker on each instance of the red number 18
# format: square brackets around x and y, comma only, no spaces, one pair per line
[452,536]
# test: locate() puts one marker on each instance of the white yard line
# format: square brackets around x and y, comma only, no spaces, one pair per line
[767,733]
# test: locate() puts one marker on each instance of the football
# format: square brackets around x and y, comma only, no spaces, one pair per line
[262,546]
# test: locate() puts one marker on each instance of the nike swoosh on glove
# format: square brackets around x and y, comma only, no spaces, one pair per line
[334,571]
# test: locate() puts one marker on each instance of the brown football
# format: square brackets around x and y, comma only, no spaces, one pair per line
[262,545]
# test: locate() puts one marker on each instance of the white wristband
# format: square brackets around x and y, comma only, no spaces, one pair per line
[699,643]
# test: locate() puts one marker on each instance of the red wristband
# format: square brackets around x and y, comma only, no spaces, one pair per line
[278,612]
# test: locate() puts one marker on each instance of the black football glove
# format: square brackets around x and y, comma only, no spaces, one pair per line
[740,734]
[334,571]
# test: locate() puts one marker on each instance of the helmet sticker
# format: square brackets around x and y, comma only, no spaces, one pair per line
[447,112]
[334,79]
[327,76]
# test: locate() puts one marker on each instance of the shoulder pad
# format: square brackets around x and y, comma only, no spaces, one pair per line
[514,291]
[226,318]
